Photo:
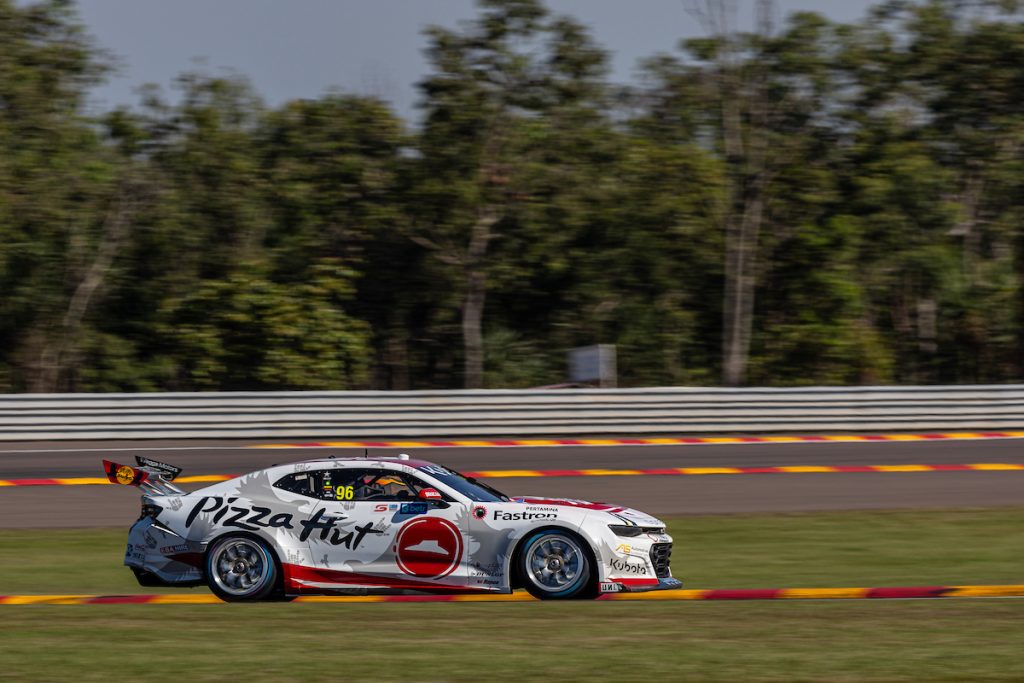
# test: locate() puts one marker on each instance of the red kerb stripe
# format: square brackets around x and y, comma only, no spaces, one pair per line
[909,592]
[120,600]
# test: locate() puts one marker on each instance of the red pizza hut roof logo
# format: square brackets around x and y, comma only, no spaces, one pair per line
[428,548]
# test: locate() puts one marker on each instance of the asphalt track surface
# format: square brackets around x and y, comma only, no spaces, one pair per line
[88,506]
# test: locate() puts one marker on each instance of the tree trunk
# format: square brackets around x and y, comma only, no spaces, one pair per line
[54,354]
[476,294]
[740,283]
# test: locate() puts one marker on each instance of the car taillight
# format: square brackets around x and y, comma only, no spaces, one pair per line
[150,510]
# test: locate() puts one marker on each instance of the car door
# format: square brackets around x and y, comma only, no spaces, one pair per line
[371,529]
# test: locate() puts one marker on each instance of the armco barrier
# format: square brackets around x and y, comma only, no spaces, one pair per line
[420,414]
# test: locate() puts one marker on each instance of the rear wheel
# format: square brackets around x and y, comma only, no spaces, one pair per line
[557,565]
[241,569]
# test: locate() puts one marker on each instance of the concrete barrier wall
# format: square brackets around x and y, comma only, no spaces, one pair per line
[376,414]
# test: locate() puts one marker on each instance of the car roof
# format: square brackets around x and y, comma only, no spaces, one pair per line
[356,460]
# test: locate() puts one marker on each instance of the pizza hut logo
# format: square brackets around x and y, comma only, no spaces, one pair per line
[479,512]
[428,548]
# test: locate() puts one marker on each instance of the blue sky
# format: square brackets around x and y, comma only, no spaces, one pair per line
[301,48]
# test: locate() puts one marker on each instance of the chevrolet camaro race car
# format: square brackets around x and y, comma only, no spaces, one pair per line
[382,524]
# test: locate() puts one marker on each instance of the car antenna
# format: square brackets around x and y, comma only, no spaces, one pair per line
[366,452]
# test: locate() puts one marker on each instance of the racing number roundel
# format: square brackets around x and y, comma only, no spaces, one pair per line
[428,548]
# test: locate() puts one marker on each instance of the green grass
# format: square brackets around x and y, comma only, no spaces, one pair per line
[954,640]
[722,551]
[931,640]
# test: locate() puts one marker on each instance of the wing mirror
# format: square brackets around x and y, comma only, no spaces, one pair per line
[431,495]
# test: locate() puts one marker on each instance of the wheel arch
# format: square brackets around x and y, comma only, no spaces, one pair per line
[275,552]
[516,549]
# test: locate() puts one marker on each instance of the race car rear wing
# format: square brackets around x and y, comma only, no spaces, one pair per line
[149,475]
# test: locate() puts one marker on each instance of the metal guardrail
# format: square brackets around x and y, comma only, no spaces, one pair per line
[493,413]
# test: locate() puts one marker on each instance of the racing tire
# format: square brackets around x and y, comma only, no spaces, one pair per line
[557,565]
[241,569]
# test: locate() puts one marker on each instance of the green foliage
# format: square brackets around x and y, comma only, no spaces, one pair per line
[245,332]
[205,241]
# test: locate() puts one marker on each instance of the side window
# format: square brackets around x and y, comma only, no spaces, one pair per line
[300,482]
[352,484]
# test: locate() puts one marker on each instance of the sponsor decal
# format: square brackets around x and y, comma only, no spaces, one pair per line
[494,569]
[150,541]
[436,470]
[479,512]
[241,517]
[413,509]
[125,475]
[610,587]
[333,535]
[431,494]
[175,504]
[385,508]
[603,507]
[624,549]
[526,516]
[171,470]
[627,567]
[302,466]
[428,548]
[170,549]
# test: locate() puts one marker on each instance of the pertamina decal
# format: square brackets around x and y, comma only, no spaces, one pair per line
[428,548]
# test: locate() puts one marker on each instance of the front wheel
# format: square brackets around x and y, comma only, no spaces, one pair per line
[240,569]
[556,565]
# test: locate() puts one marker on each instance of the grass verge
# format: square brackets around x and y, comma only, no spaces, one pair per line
[940,640]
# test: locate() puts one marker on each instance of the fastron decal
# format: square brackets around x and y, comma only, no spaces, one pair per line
[522,516]
[428,548]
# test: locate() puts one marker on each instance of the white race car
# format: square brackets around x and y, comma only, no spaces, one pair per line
[378,524]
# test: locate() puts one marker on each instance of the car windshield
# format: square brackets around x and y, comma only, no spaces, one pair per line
[476,491]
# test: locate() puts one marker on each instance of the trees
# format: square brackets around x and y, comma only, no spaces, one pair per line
[65,202]
[802,203]
[510,98]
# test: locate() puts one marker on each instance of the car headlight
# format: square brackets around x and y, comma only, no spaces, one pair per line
[629,530]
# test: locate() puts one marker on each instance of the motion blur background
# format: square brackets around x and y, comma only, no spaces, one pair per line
[784,199]
[728,193]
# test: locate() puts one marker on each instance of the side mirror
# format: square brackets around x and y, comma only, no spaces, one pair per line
[431,495]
